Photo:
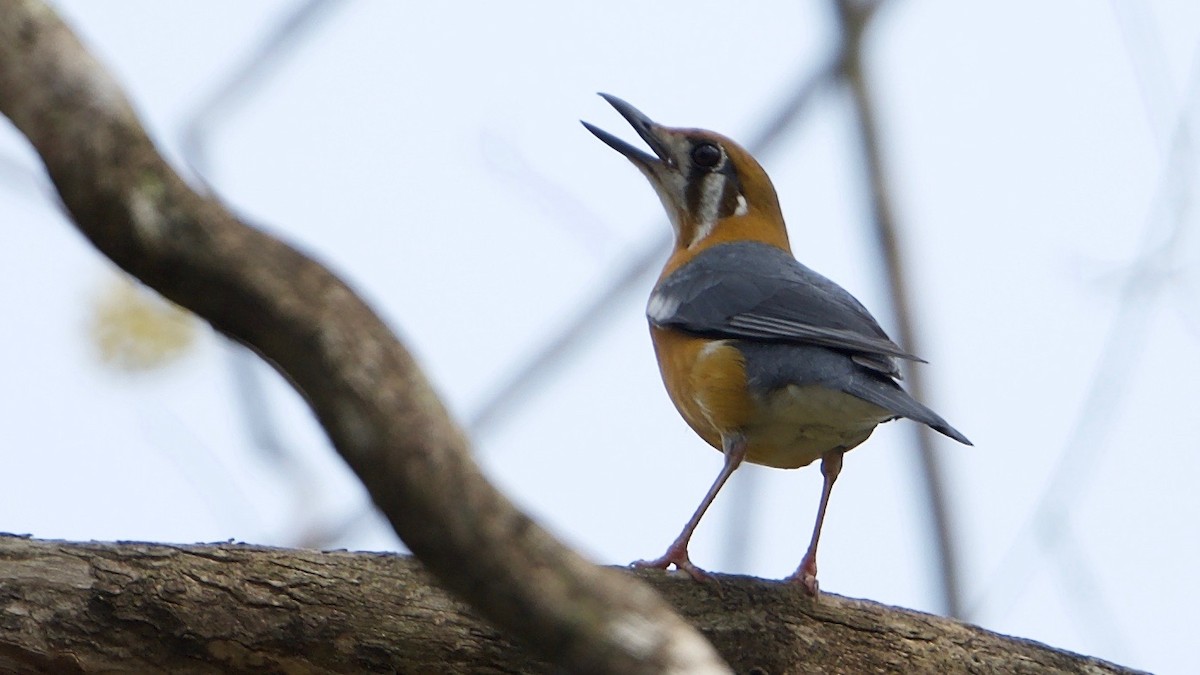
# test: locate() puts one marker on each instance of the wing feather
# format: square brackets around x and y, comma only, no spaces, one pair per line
[755,291]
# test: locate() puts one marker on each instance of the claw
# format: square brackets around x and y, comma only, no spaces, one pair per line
[806,575]
[807,580]
[679,559]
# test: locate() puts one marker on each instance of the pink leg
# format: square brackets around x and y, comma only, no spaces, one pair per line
[806,573]
[677,552]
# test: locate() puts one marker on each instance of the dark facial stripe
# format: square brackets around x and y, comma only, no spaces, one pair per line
[733,188]
[701,180]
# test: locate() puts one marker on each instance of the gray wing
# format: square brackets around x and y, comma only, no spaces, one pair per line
[755,291]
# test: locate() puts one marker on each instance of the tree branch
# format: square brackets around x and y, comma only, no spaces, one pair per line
[367,392]
[232,608]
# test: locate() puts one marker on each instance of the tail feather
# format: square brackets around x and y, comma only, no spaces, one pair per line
[890,396]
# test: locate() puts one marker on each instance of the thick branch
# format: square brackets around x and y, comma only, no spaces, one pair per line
[231,608]
[369,395]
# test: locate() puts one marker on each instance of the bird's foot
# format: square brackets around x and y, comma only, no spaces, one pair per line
[806,576]
[674,556]
[808,581]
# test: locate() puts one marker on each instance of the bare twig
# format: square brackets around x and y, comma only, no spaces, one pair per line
[1168,223]
[236,89]
[854,16]
[364,387]
[252,403]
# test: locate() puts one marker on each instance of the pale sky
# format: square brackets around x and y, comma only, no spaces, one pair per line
[432,155]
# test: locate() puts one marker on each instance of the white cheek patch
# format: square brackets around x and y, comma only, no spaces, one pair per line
[742,207]
[703,229]
[707,211]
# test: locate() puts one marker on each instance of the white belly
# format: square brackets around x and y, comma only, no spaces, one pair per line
[799,424]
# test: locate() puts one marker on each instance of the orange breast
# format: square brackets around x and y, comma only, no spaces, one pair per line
[785,428]
[706,380]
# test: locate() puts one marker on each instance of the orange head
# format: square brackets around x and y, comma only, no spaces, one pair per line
[713,190]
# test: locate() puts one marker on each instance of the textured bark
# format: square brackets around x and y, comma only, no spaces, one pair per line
[367,392]
[68,607]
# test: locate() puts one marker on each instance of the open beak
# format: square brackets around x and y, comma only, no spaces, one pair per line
[645,127]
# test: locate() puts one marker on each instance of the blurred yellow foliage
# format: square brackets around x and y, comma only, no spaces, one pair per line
[136,329]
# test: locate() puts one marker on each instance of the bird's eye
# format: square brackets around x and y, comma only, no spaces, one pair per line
[706,155]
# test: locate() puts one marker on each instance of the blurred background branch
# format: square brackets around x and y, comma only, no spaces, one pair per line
[854,16]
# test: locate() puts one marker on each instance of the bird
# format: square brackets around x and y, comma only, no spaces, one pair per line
[766,360]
